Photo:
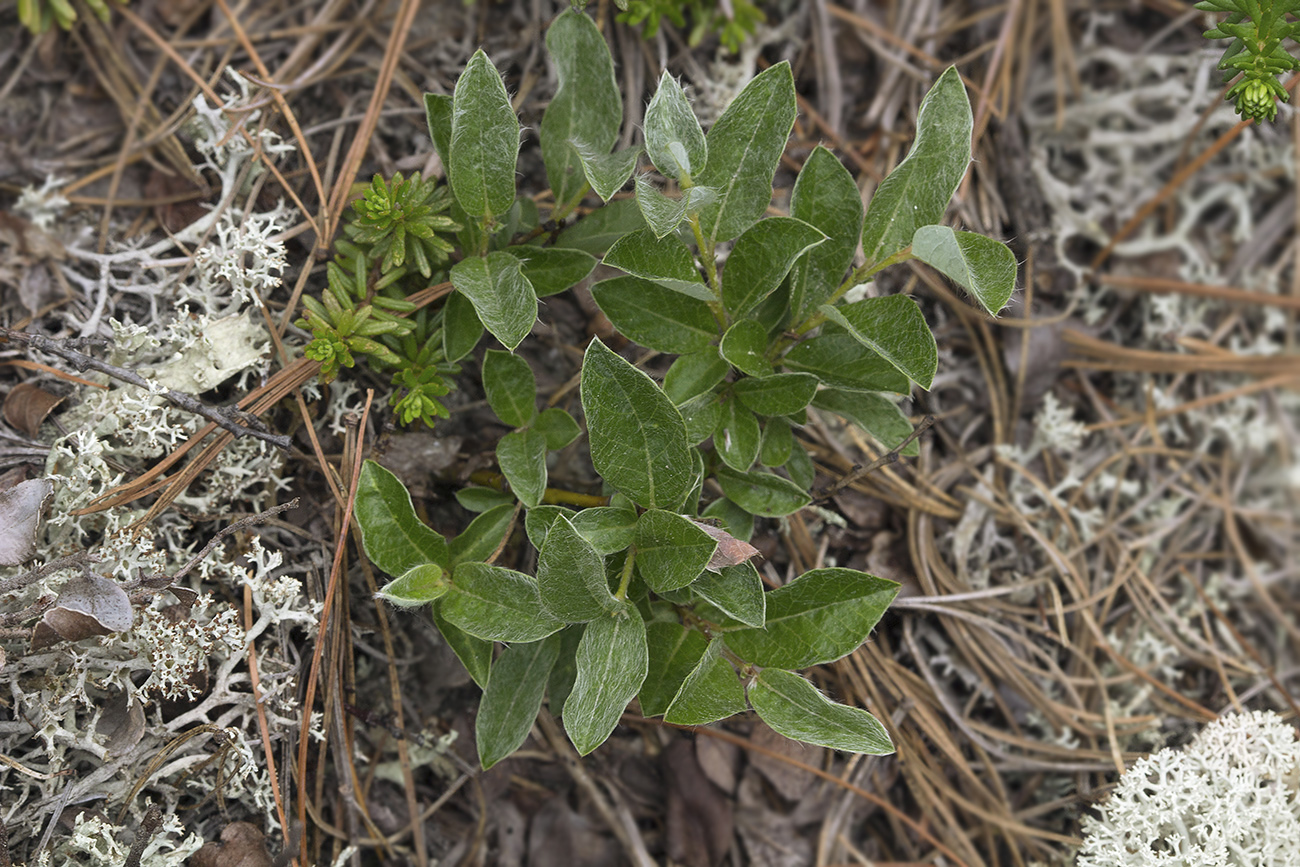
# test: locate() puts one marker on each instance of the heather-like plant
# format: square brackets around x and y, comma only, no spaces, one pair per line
[646,597]
[1257,29]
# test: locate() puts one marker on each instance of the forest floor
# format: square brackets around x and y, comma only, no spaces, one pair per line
[1096,544]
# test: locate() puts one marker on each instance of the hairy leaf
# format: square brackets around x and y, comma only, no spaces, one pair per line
[638,438]
[761,259]
[826,197]
[513,697]
[612,662]
[818,617]
[496,604]
[511,388]
[502,296]
[484,143]
[917,191]
[654,316]
[587,109]
[745,146]
[395,539]
[982,266]
[893,328]
[793,707]
[673,137]
[666,261]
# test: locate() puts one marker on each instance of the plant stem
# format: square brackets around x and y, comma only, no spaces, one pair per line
[710,269]
[626,579]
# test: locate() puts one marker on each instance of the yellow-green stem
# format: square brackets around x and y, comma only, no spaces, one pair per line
[710,270]
[626,580]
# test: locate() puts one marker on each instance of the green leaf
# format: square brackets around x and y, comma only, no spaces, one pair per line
[480,540]
[437,111]
[571,576]
[566,667]
[552,270]
[501,295]
[608,173]
[656,317]
[609,529]
[985,268]
[666,261]
[710,692]
[663,214]
[511,388]
[587,108]
[558,427]
[778,394]
[877,415]
[638,438]
[673,137]
[800,467]
[394,538]
[480,499]
[538,521]
[612,663]
[496,604]
[693,374]
[745,146]
[521,455]
[420,585]
[824,196]
[917,191]
[762,493]
[736,591]
[595,232]
[674,651]
[839,359]
[513,697]
[893,328]
[702,414]
[484,143]
[461,330]
[737,435]
[671,551]
[735,520]
[777,443]
[745,346]
[761,259]
[793,707]
[474,653]
[818,617]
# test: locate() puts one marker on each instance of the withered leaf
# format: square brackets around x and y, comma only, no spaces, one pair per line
[731,551]
[26,406]
[121,725]
[242,845]
[88,605]
[20,514]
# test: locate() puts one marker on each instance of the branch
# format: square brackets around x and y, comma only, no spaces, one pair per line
[231,418]
[882,461]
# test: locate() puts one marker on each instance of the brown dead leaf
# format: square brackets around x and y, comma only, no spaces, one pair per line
[28,239]
[88,605]
[21,508]
[790,782]
[242,845]
[121,724]
[720,761]
[771,838]
[26,406]
[730,552]
[560,837]
[700,820]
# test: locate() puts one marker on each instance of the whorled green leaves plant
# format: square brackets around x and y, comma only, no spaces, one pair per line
[647,597]
[1257,30]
